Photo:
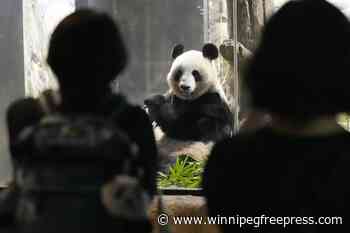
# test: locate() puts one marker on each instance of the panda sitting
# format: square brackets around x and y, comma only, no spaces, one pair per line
[194,112]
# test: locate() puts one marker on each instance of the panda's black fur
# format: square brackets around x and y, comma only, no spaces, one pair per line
[206,118]
[203,117]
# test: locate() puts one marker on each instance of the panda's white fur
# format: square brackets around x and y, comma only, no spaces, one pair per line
[172,148]
[189,61]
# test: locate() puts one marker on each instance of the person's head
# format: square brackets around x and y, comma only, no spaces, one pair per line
[301,67]
[86,50]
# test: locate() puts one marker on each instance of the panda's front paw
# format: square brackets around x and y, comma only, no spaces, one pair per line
[153,105]
[154,101]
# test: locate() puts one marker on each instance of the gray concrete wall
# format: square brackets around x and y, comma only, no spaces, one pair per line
[11,71]
[103,5]
[40,17]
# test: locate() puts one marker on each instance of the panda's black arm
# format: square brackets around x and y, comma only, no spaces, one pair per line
[214,118]
[161,110]
[168,119]
[207,119]
[209,123]
[215,123]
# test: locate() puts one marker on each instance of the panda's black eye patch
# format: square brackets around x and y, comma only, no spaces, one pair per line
[178,75]
[197,76]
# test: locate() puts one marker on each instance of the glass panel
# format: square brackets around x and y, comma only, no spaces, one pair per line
[151,28]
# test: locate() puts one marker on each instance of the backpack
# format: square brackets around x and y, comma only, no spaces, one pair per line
[64,161]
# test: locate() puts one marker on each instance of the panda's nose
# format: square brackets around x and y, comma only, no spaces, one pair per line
[184,87]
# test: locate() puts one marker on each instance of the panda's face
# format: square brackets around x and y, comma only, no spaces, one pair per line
[191,75]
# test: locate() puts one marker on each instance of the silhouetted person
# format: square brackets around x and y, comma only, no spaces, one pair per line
[298,166]
[86,53]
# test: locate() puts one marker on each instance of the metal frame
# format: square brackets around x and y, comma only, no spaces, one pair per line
[235,66]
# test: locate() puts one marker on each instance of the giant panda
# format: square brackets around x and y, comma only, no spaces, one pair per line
[194,113]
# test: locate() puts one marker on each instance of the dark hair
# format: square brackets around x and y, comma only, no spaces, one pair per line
[86,47]
[301,68]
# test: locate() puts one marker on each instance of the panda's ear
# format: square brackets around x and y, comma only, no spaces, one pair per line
[210,51]
[177,51]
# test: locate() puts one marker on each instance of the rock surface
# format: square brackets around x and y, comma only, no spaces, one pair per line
[40,17]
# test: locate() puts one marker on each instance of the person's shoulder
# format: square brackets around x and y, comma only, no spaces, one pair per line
[22,113]
[230,160]
[23,104]
[238,143]
[240,152]
[238,158]
[23,107]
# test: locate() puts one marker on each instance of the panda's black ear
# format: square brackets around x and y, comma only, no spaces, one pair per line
[177,50]
[210,51]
